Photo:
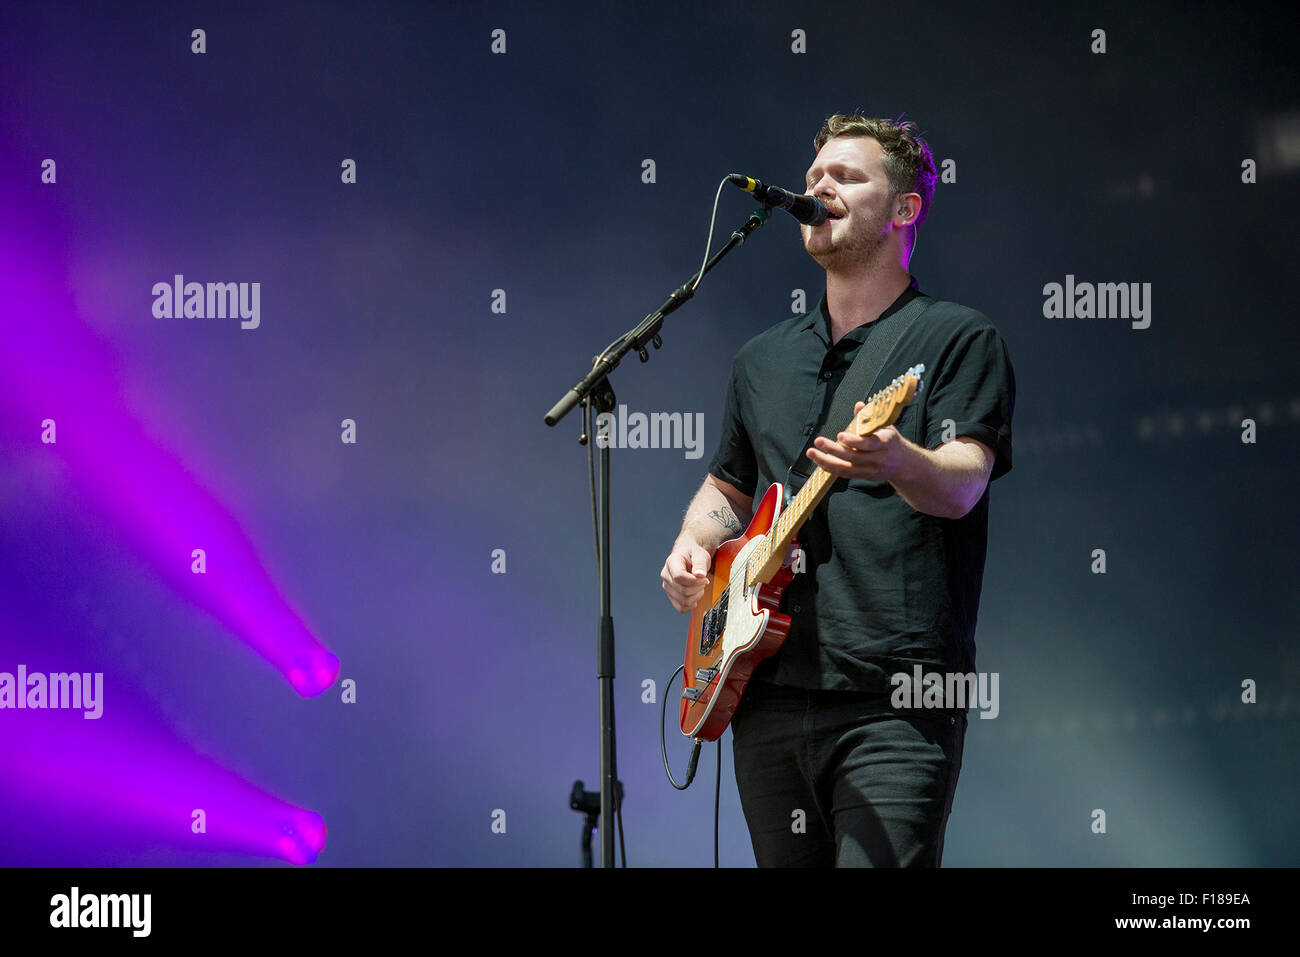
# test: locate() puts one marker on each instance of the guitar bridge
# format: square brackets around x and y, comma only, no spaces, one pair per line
[706,675]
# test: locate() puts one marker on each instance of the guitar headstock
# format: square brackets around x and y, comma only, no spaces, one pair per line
[887,405]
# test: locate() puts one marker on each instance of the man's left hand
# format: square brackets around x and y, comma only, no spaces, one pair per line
[882,456]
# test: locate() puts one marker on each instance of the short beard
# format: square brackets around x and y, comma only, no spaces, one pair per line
[860,256]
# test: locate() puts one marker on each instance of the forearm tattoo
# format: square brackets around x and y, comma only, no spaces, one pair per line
[726,518]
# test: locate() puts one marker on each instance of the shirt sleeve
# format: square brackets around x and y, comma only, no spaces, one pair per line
[734,462]
[974,394]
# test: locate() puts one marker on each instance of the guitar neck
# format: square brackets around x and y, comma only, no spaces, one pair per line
[881,410]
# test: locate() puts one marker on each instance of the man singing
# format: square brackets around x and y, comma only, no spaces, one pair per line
[829,770]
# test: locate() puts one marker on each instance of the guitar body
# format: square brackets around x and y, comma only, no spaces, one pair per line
[731,631]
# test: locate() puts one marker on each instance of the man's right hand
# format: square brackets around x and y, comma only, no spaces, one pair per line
[685,573]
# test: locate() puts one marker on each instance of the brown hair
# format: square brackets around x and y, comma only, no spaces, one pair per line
[907,161]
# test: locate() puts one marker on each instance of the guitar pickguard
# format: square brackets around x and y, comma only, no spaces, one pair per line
[744,620]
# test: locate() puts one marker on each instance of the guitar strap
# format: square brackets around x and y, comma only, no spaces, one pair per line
[857,382]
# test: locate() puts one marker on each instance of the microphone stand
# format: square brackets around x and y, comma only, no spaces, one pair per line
[595,392]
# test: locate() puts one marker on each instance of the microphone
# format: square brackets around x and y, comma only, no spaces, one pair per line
[807,209]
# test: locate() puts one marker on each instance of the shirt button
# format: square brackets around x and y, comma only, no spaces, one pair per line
[826,376]
[796,609]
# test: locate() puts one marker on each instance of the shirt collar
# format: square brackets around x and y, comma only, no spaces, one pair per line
[820,320]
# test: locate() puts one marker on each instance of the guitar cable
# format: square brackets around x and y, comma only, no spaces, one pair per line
[663,744]
[692,764]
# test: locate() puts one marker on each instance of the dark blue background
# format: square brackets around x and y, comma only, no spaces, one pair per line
[522,172]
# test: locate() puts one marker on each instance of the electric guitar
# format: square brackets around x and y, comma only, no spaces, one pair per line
[736,624]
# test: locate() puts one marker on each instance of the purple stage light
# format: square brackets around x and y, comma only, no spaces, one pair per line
[125,771]
[304,838]
[311,674]
[54,369]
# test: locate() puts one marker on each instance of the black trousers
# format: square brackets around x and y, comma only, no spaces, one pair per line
[834,778]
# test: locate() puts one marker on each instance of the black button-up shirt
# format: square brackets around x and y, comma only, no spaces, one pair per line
[885,586]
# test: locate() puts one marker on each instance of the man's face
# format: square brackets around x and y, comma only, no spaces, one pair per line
[848,175]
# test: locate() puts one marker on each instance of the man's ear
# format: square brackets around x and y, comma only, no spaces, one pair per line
[907,208]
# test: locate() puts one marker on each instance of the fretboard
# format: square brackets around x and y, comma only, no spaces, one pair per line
[768,557]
